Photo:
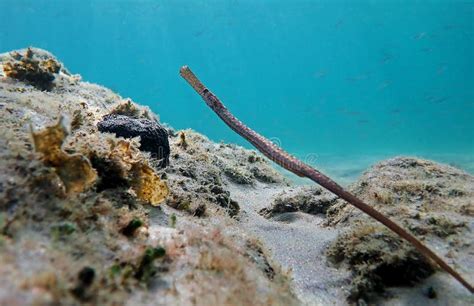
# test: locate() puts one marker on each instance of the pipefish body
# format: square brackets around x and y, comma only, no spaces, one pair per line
[285,160]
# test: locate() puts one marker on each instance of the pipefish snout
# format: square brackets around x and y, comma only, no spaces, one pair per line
[291,163]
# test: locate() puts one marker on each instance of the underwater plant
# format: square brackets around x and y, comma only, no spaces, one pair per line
[285,160]
[31,69]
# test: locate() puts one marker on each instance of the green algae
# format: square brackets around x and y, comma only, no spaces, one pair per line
[62,230]
[146,269]
[131,227]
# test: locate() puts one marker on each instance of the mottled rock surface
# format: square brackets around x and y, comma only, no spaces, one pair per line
[308,199]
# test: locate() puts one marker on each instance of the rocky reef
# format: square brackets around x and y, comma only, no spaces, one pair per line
[76,224]
[103,204]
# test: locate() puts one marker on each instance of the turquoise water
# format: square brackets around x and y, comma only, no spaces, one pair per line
[339,83]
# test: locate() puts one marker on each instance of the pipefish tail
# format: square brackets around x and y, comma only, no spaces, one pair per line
[285,160]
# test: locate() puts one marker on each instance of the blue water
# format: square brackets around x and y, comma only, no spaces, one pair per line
[340,83]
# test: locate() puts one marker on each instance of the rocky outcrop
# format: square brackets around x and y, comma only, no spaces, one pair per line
[432,200]
[75,221]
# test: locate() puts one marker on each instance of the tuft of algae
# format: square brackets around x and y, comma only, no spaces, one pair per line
[182,140]
[130,109]
[143,180]
[26,68]
[75,170]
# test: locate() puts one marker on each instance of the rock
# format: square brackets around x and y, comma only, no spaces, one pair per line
[32,66]
[405,186]
[309,199]
[431,200]
[153,137]
[378,259]
[201,172]
[239,176]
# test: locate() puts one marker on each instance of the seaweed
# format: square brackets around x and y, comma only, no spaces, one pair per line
[75,170]
[131,227]
[146,269]
[25,68]
[182,140]
[130,109]
[173,220]
[122,166]
[62,230]
[147,184]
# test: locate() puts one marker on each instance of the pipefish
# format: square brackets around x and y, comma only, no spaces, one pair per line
[291,163]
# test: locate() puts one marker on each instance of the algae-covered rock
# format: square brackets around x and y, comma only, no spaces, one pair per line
[418,194]
[309,199]
[200,170]
[378,259]
[135,172]
[74,227]
[32,67]
[410,187]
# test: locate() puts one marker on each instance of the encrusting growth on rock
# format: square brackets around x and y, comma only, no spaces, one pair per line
[75,170]
[182,140]
[39,73]
[120,166]
[123,164]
